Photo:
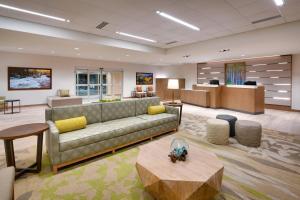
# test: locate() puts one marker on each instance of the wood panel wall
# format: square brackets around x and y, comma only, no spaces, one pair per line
[272,72]
[164,93]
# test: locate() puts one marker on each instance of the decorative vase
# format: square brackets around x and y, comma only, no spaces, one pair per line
[179,149]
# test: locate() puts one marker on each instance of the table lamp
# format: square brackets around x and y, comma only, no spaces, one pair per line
[173,84]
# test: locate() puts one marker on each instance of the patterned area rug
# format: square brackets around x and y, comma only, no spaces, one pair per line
[269,172]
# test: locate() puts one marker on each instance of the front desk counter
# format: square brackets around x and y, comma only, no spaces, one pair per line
[244,98]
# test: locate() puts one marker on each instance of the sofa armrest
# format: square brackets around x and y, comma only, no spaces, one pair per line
[173,110]
[52,143]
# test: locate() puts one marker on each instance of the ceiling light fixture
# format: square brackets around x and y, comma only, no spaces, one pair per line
[20,48]
[137,37]
[33,13]
[279,2]
[76,48]
[179,21]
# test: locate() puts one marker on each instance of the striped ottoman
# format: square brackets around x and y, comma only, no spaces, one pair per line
[217,131]
[248,133]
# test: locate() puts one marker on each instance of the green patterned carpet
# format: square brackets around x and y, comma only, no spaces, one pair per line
[269,172]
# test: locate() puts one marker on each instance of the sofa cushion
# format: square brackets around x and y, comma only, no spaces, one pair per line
[98,132]
[102,131]
[92,112]
[155,120]
[118,110]
[143,104]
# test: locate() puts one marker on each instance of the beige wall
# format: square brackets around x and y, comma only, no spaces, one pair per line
[63,74]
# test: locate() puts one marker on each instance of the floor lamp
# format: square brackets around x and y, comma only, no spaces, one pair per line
[173,84]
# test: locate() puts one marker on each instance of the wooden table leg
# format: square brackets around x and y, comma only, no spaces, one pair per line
[180,115]
[39,152]
[9,153]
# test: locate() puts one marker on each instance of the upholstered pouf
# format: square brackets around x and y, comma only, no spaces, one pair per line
[217,131]
[231,120]
[248,133]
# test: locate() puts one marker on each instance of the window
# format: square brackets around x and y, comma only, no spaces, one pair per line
[99,84]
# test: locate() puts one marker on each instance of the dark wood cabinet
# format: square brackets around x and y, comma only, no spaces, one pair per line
[164,93]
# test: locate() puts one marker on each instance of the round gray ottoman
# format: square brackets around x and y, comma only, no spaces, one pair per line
[231,120]
[248,133]
[217,131]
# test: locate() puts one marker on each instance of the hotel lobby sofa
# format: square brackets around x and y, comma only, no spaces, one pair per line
[109,126]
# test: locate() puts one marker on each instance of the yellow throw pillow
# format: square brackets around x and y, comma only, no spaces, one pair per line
[153,110]
[71,124]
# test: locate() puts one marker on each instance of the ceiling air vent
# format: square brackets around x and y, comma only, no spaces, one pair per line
[266,19]
[102,25]
[172,42]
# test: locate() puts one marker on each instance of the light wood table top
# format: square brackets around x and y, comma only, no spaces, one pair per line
[199,176]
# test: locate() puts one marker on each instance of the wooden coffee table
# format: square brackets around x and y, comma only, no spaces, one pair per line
[10,134]
[199,177]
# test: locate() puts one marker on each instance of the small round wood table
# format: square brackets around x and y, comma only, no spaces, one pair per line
[10,134]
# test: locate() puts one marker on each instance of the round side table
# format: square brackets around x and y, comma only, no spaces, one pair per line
[10,134]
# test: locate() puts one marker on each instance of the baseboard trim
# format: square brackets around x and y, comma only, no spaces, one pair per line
[280,107]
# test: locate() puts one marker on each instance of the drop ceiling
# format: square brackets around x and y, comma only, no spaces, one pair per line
[216,19]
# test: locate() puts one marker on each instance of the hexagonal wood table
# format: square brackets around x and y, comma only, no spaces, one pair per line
[199,177]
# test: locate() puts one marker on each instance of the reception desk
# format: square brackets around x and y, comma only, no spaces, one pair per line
[214,92]
[249,99]
[195,97]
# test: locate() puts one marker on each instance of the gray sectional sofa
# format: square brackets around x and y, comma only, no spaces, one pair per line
[110,126]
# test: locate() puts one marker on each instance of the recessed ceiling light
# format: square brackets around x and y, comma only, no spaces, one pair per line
[136,37]
[243,55]
[127,55]
[33,13]
[20,48]
[179,21]
[279,2]
[76,48]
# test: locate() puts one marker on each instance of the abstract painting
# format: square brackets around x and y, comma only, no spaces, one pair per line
[235,73]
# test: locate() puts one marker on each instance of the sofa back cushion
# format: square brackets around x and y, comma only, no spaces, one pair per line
[92,112]
[117,110]
[143,104]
